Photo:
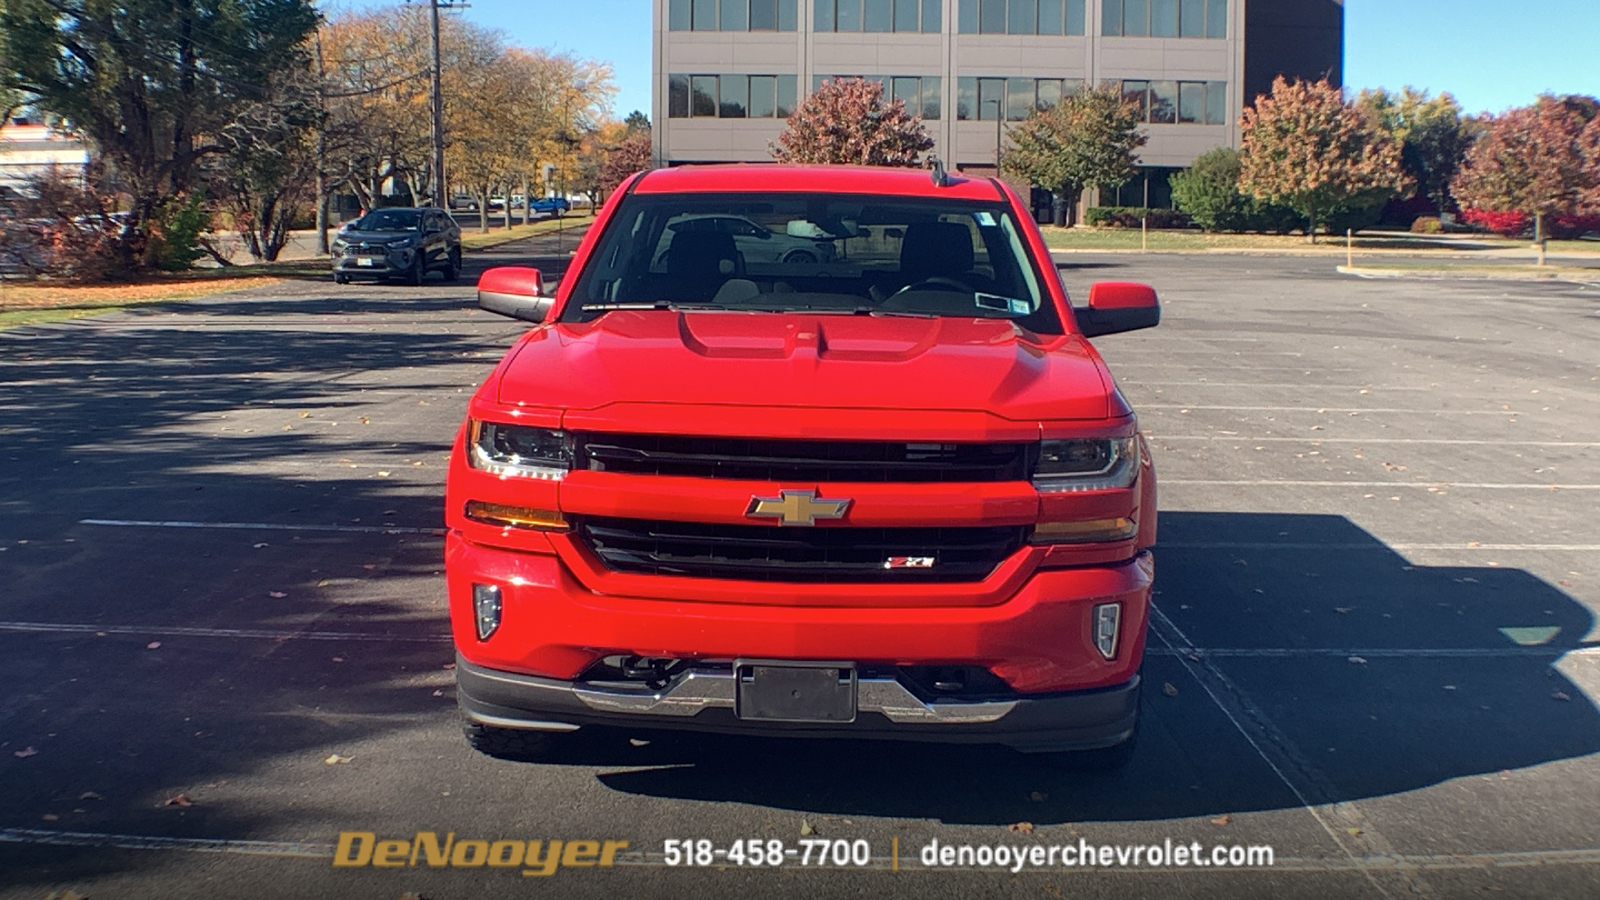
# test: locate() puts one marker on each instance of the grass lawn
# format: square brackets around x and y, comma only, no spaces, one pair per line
[1195,241]
[472,239]
[34,304]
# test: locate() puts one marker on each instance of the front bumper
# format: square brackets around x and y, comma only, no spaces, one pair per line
[703,700]
[388,265]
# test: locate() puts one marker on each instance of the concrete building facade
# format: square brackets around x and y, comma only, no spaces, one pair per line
[728,72]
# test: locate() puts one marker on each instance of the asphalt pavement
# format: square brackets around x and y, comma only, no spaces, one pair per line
[223,632]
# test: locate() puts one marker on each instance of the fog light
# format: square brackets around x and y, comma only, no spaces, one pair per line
[486,609]
[1107,621]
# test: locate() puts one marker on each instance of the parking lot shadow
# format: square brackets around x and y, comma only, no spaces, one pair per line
[1388,676]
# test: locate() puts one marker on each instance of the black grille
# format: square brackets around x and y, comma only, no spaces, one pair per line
[770,553]
[769,460]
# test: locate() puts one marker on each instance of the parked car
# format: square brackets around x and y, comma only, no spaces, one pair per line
[899,497]
[757,243]
[555,206]
[398,242]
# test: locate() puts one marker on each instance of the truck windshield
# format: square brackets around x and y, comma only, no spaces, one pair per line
[824,253]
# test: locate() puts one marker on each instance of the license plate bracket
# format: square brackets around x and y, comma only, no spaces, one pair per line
[788,691]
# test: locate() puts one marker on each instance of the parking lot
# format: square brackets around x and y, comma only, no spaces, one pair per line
[222,618]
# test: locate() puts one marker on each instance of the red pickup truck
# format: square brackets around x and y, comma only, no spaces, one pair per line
[889,493]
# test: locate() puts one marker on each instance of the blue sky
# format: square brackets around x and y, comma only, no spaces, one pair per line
[1492,54]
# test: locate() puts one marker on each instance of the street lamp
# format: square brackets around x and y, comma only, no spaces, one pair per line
[571,140]
[999,122]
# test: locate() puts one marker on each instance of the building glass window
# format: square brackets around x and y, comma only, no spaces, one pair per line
[734,96]
[878,15]
[786,95]
[1217,18]
[966,98]
[822,17]
[931,102]
[735,15]
[1138,93]
[1191,102]
[678,97]
[992,16]
[1111,17]
[703,96]
[1023,18]
[1164,18]
[705,15]
[1049,16]
[991,98]
[932,16]
[848,17]
[1192,19]
[788,17]
[906,15]
[1019,98]
[678,17]
[1164,102]
[1074,17]
[763,15]
[763,96]
[1217,103]
[1049,94]
[967,17]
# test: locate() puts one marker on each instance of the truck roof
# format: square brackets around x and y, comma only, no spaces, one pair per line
[766,178]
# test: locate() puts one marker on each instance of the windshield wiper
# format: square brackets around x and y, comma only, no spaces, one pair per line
[654,304]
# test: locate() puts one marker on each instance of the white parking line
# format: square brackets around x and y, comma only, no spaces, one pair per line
[1385,484]
[1375,652]
[1283,384]
[263,526]
[145,842]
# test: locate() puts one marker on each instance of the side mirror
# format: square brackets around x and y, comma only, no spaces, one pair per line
[1118,306]
[514,291]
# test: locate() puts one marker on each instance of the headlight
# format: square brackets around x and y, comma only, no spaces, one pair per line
[517,451]
[338,245]
[1087,464]
[401,244]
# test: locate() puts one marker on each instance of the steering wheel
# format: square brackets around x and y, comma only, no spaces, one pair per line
[937,281]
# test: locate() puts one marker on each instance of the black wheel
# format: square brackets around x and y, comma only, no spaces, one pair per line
[510,743]
[452,265]
[419,270]
[800,257]
[341,278]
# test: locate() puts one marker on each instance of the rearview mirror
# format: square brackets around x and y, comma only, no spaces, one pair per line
[514,291]
[1118,306]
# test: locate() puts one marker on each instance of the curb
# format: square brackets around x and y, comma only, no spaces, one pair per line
[1478,275]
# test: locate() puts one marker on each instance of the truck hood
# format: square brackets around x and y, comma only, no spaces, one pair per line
[807,360]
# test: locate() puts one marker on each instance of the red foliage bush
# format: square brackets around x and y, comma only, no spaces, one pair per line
[1509,224]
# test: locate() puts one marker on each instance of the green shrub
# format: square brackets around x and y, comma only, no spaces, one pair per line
[1209,192]
[1132,216]
[1427,225]
[178,225]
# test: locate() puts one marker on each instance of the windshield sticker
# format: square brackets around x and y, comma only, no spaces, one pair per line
[984,218]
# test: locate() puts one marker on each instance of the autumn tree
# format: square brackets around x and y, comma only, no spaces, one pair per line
[265,178]
[846,121]
[1086,140]
[1541,160]
[634,154]
[151,83]
[1306,148]
[1432,136]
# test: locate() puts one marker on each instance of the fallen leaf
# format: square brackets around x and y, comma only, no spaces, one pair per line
[277,595]
[369,566]
[1561,695]
[153,645]
[1342,609]
[50,817]
[383,474]
[335,759]
[324,583]
[1169,689]
[805,829]
[449,666]
[438,693]
[1038,797]
[90,795]
[365,420]
[338,659]
[178,800]
[260,545]
[68,894]
[305,415]
[1358,660]
[1353,831]
[1223,819]
[1021,827]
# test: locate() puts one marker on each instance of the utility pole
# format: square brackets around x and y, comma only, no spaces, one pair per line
[439,198]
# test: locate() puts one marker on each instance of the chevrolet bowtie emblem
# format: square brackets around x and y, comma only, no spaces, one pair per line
[796,508]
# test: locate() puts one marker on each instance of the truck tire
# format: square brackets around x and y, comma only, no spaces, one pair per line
[419,271]
[452,265]
[509,743]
